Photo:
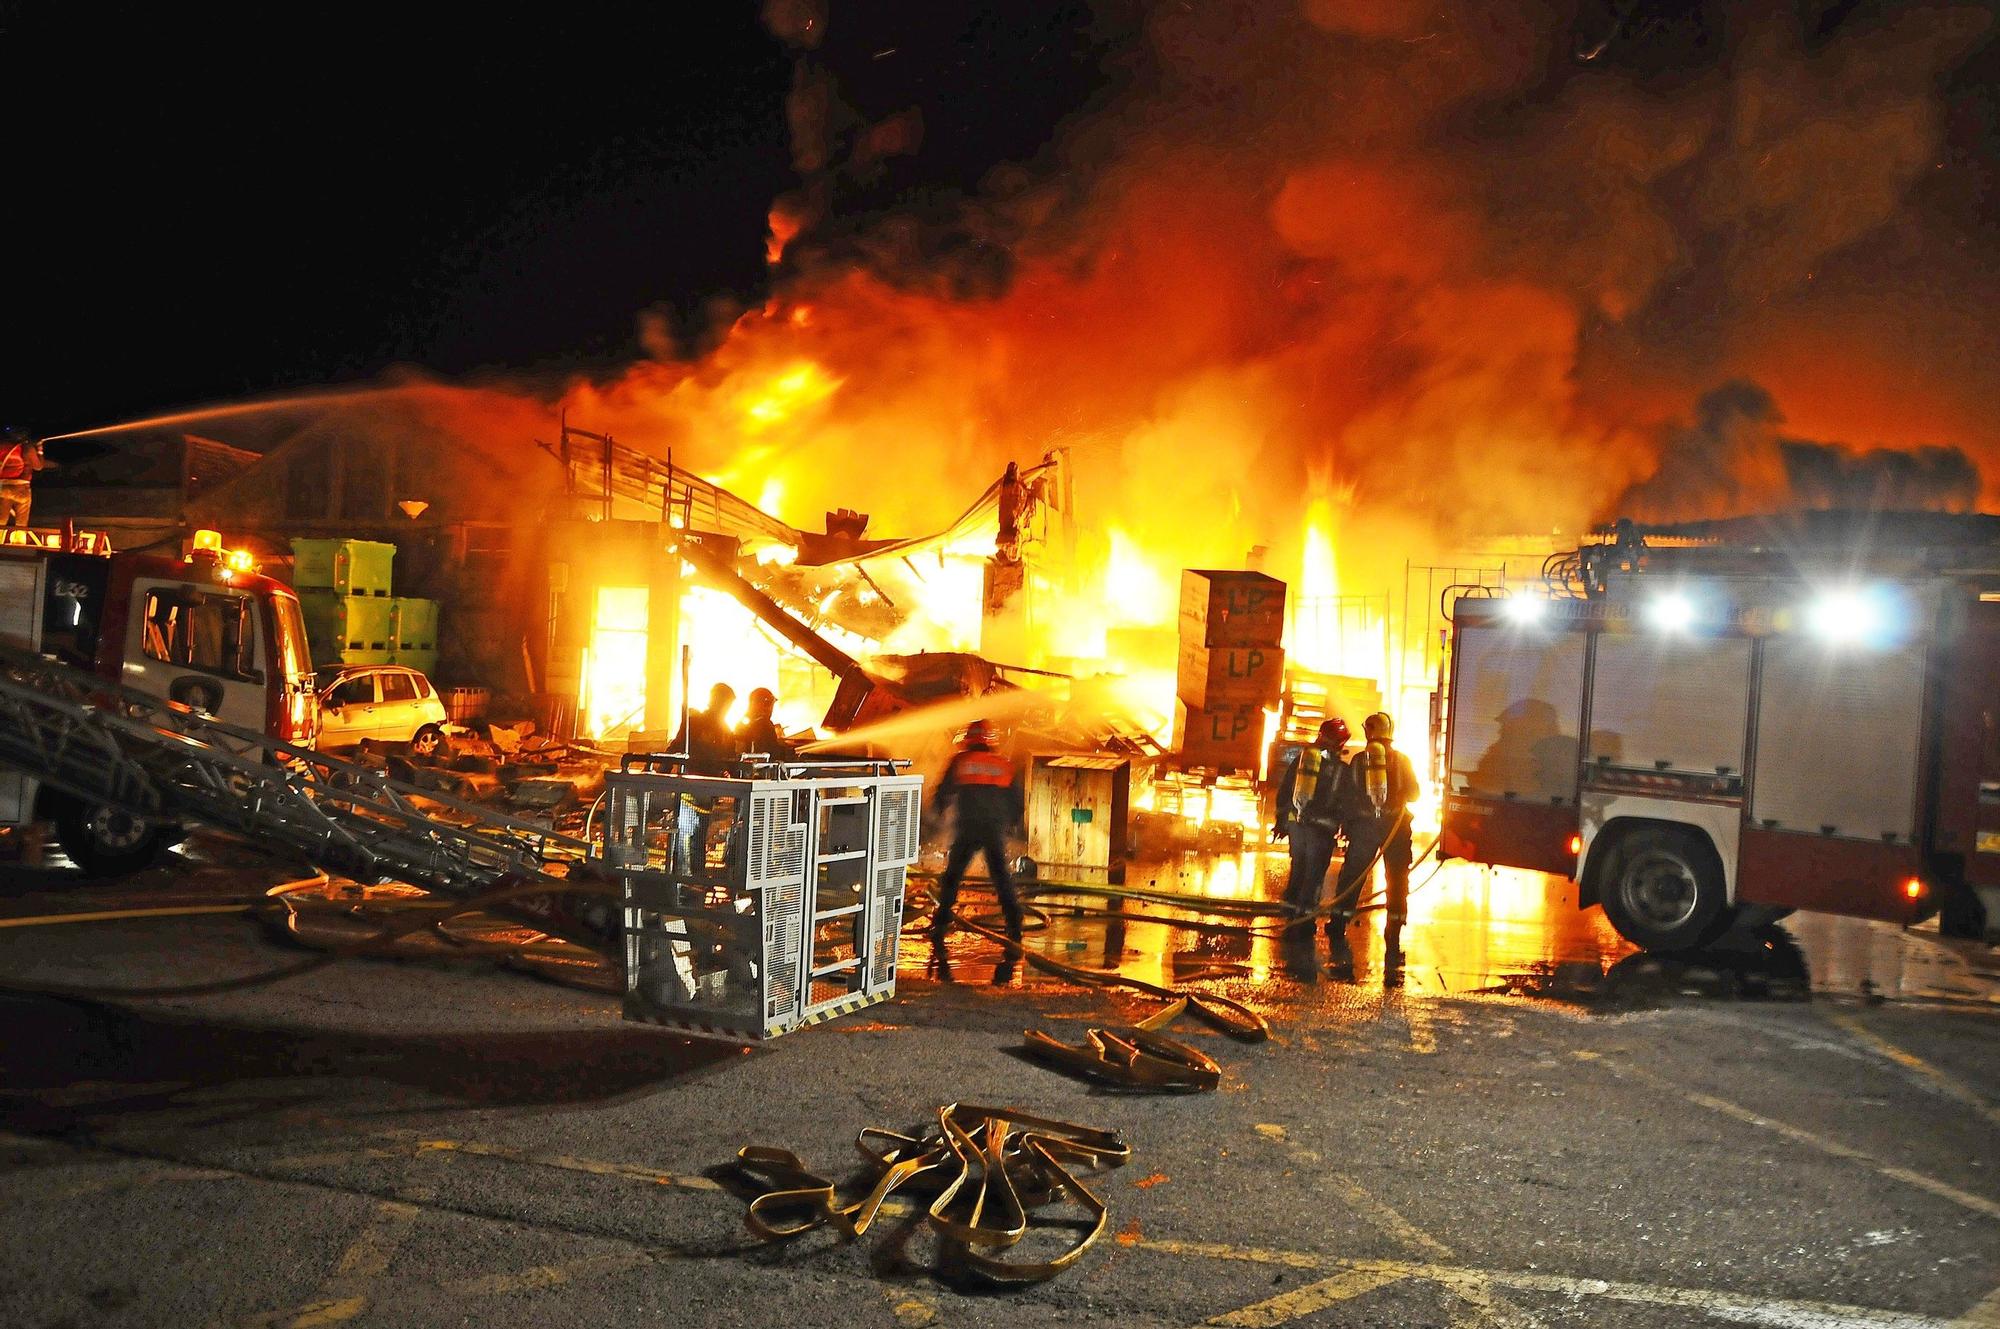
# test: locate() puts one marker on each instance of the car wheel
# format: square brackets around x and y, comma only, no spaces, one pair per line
[106,842]
[427,741]
[1664,891]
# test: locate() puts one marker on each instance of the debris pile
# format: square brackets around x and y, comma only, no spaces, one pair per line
[507,767]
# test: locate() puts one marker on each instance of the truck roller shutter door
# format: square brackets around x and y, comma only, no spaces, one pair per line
[1516,713]
[1661,703]
[1837,735]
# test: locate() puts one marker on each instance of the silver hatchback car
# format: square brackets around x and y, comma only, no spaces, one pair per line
[389,703]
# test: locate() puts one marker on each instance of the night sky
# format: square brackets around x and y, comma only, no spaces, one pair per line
[204,209]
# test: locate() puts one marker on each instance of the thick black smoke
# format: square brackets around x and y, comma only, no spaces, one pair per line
[1734,458]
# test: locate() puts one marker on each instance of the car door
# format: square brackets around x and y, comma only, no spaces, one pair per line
[397,716]
[348,713]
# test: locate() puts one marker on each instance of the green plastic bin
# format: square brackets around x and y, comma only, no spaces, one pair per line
[415,624]
[349,629]
[344,567]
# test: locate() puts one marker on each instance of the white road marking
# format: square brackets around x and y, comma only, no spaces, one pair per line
[1978,1204]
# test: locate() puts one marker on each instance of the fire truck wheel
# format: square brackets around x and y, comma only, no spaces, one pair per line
[1664,891]
[107,843]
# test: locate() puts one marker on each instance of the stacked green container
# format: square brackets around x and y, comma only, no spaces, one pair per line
[414,628]
[343,588]
[348,629]
[348,567]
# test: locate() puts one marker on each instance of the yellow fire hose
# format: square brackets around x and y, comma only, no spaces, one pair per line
[1136,1057]
[988,1170]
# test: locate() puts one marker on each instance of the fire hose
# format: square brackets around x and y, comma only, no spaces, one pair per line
[1135,1057]
[287,906]
[987,1169]
[1230,1017]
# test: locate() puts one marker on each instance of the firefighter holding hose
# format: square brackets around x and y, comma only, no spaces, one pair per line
[982,788]
[1383,785]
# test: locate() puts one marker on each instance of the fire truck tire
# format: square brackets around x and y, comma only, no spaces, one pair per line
[1664,890]
[108,843]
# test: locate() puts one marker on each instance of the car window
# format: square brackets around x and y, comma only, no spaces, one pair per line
[423,686]
[398,687]
[354,692]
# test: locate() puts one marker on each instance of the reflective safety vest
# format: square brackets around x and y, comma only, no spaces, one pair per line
[974,767]
[14,462]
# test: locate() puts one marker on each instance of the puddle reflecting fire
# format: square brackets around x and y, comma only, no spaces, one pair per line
[1472,930]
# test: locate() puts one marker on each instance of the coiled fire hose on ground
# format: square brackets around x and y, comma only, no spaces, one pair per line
[987,1170]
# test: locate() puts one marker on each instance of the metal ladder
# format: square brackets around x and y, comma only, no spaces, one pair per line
[110,745]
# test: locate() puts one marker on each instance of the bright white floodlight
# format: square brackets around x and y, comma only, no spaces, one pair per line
[1672,612]
[1845,615]
[1525,609]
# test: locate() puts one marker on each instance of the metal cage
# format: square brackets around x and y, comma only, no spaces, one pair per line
[760,903]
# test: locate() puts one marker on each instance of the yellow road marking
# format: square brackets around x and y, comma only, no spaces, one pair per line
[1986,1315]
[1484,1306]
[332,1312]
[112,915]
[368,1255]
[1736,1307]
[1949,1085]
[1977,1203]
[134,1181]
[564,1162]
[1289,1306]
[313,1313]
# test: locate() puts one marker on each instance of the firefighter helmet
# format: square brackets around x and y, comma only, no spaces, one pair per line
[762,701]
[979,734]
[1334,733]
[1379,727]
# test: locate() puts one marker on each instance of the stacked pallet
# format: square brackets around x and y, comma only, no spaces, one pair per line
[1232,666]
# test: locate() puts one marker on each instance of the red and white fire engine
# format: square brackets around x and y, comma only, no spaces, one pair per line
[202,630]
[1702,734]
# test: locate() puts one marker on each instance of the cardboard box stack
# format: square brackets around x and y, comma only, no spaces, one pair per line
[1231,666]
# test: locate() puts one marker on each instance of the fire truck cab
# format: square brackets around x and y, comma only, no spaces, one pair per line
[1701,735]
[201,630]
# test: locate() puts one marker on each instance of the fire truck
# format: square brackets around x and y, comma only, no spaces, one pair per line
[202,630]
[1700,731]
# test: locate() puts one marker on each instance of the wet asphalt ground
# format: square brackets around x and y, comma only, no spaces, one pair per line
[1513,1122]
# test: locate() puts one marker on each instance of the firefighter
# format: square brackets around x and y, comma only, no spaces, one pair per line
[1311,796]
[759,732]
[20,457]
[983,789]
[710,747]
[1381,786]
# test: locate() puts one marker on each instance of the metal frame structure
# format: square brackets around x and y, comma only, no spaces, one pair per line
[156,759]
[763,903]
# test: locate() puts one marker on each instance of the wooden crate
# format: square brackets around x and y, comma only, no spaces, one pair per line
[1212,676]
[1079,809]
[1224,738]
[1231,608]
